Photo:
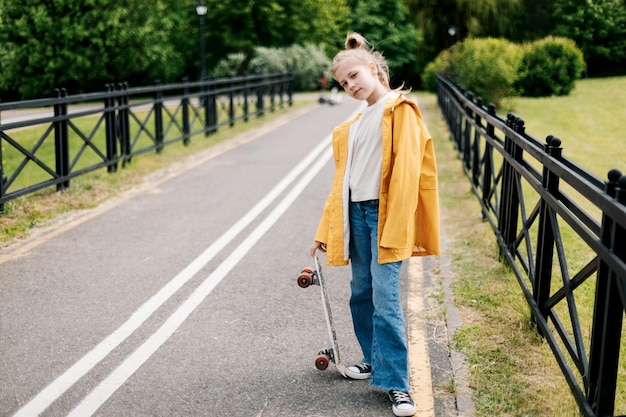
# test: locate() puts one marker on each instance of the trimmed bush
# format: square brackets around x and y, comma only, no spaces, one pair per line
[495,68]
[230,66]
[549,66]
[269,60]
[441,65]
[308,63]
[485,66]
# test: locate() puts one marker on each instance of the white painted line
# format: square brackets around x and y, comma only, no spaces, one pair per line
[116,379]
[55,389]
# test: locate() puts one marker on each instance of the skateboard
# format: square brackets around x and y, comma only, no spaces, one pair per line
[314,276]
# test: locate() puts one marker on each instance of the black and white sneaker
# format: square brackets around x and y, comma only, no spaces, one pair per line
[403,404]
[359,371]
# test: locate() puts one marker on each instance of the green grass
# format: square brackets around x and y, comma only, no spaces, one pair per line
[589,122]
[512,370]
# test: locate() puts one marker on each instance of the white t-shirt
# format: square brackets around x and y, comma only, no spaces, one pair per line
[367,154]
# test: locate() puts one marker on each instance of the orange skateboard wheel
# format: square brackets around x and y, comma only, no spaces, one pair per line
[322,361]
[305,278]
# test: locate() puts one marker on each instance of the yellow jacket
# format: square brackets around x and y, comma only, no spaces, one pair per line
[408,214]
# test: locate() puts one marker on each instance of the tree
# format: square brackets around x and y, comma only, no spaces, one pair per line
[432,18]
[516,20]
[238,26]
[385,25]
[598,27]
[83,45]
[530,20]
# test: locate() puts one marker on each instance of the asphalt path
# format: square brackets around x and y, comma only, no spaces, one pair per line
[179,298]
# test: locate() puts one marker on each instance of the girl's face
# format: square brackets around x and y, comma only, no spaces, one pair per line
[359,80]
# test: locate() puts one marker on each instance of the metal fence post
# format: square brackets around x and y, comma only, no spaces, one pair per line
[204,102]
[608,312]
[3,177]
[457,129]
[185,106]
[158,117]
[231,104]
[260,106]
[111,137]
[458,126]
[61,141]
[467,132]
[210,110]
[504,186]
[281,90]
[245,100]
[506,223]
[476,146]
[488,161]
[545,234]
[272,93]
[123,124]
[290,88]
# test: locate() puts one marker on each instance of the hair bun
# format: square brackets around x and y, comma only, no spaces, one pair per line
[355,41]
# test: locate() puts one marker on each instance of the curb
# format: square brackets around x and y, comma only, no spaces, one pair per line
[440,379]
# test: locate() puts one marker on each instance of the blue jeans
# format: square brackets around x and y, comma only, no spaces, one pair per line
[375,303]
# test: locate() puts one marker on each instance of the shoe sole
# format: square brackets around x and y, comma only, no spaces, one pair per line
[404,413]
[355,375]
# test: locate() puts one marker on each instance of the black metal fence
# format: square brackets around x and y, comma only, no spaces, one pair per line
[47,142]
[561,230]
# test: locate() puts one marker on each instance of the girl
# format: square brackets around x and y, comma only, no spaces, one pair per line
[383,208]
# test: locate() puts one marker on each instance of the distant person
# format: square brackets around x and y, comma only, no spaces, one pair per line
[324,85]
[383,208]
[324,82]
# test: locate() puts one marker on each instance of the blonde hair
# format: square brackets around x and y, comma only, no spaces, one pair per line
[358,49]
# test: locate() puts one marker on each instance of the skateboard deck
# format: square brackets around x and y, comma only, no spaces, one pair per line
[314,276]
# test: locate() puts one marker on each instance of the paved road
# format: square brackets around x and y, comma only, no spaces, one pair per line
[179,298]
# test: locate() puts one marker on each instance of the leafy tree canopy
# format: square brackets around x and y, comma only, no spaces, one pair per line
[598,27]
[385,24]
[241,25]
[81,44]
